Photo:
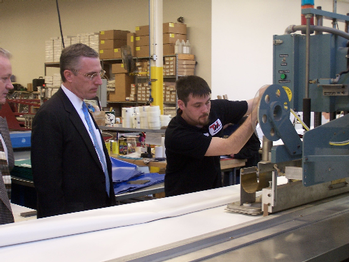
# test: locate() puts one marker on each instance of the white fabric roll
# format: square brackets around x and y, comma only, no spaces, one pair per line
[159,152]
[154,119]
[136,121]
[126,114]
[144,120]
[153,109]
[163,146]
[165,120]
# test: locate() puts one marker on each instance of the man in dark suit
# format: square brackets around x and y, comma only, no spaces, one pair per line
[6,151]
[68,169]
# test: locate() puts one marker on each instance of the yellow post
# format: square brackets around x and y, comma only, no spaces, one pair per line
[157,87]
[156,53]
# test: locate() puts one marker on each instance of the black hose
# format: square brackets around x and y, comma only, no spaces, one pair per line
[60,24]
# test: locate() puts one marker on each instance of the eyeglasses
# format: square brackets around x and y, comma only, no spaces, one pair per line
[91,76]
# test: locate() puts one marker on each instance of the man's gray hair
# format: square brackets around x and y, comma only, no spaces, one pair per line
[5,53]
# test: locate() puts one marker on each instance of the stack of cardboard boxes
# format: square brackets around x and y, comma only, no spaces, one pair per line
[143,68]
[110,43]
[123,83]
[169,92]
[171,32]
[143,92]
[131,42]
[133,91]
[142,41]
[186,65]
[49,51]
[54,46]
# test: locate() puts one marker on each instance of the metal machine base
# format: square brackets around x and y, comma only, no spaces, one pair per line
[315,232]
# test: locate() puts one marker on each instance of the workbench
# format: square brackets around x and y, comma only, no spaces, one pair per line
[228,166]
[226,163]
[109,233]
[167,229]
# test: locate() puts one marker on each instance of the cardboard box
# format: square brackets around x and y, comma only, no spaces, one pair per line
[175,28]
[99,117]
[142,30]
[106,54]
[186,57]
[112,43]
[143,68]
[142,40]
[117,53]
[186,67]
[142,51]
[170,60]
[113,34]
[185,72]
[122,88]
[131,42]
[168,49]
[118,69]
[186,62]
[170,38]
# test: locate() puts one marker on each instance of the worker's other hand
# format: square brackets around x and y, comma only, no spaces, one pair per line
[262,90]
[253,103]
[255,108]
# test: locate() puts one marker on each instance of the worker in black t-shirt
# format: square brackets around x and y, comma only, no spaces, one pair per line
[193,138]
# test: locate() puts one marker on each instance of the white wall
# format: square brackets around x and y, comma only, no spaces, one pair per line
[242,34]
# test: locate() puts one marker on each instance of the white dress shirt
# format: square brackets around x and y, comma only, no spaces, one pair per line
[77,103]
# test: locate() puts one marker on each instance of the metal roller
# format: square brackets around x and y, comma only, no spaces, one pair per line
[273,111]
[274,118]
[252,182]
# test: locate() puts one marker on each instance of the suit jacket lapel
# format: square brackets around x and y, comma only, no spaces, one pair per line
[6,136]
[104,147]
[79,125]
[3,194]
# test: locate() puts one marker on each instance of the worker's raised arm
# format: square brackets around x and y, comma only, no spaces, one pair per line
[234,143]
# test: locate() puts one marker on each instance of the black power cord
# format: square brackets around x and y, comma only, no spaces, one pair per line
[60,24]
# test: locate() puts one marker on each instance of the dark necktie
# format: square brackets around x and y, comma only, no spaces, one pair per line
[97,147]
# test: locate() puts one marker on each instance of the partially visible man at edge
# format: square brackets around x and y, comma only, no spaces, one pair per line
[6,151]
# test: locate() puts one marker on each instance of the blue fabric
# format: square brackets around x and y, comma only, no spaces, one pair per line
[129,186]
[98,149]
[123,171]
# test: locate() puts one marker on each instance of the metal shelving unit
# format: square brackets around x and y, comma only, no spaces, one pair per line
[132,130]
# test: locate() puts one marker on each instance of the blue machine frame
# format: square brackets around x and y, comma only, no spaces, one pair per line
[325,149]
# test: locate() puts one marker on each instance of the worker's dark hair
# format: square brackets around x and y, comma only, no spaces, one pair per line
[70,57]
[5,53]
[194,85]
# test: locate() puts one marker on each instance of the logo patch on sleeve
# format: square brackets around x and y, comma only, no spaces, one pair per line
[215,127]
